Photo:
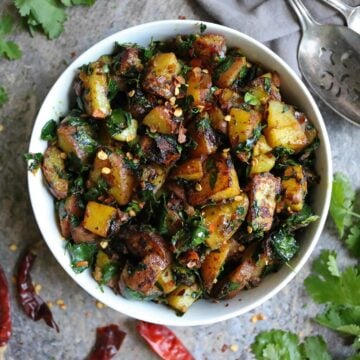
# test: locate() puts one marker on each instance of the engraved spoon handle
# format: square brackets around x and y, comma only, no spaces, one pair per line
[340,6]
[306,19]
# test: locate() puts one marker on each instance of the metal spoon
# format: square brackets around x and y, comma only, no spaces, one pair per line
[329,59]
[350,13]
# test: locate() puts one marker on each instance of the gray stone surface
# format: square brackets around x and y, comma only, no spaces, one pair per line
[28,81]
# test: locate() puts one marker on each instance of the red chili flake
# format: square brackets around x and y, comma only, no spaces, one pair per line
[182,17]
[33,305]
[163,341]
[108,341]
[5,318]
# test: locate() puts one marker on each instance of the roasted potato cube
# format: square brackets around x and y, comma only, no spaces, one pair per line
[217,120]
[75,136]
[209,48]
[261,146]
[204,136]
[53,168]
[129,64]
[153,177]
[183,297]
[262,163]
[262,191]
[283,129]
[228,99]
[266,87]
[294,185]
[161,119]
[242,125]
[166,281]
[220,181]
[199,84]
[227,77]
[223,220]
[161,70]
[98,218]
[140,103]
[95,84]
[80,235]
[213,264]
[190,170]
[122,126]
[69,211]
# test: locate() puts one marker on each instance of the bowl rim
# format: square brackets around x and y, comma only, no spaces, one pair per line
[326,202]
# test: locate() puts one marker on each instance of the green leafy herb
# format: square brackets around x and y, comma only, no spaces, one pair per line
[8,49]
[113,89]
[81,256]
[223,66]
[78,2]
[300,219]
[248,145]
[33,160]
[284,245]
[213,171]
[3,96]
[342,200]
[96,191]
[202,28]
[251,99]
[284,345]
[118,121]
[48,131]
[267,85]
[280,152]
[353,240]
[109,271]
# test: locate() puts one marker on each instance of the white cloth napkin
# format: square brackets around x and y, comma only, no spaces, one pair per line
[272,22]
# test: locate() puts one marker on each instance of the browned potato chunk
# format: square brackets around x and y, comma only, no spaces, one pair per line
[153,177]
[220,182]
[212,265]
[294,185]
[266,87]
[129,62]
[204,136]
[160,119]
[53,168]
[166,281]
[283,129]
[210,47]
[227,77]
[242,125]
[262,190]
[199,84]
[262,158]
[80,235]
[75,136]
[161,70]
[228,99]
[217,120]
[183,297]
[95,84]
[223,220]
[190,170]
[98,218]
[68,211]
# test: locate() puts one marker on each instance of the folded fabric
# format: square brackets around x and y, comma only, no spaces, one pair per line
[272,22]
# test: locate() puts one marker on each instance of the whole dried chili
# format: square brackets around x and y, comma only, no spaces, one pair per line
[108,341]
[163,341]
[33,305]
[5,318]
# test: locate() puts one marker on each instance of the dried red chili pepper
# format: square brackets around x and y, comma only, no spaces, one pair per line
[163,341]
[33,305]
[108,341]
[5,318]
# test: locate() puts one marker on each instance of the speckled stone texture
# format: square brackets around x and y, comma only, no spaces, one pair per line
[28,81]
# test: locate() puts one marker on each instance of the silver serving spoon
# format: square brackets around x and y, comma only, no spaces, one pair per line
[329,59]
[350,13]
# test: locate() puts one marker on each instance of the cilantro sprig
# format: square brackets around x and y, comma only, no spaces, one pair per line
[8,49]
[3,96]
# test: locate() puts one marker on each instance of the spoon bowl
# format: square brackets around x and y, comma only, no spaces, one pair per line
[329,59]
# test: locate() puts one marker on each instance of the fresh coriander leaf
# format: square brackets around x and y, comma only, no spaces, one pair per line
[8,49]
[314,348]
[284,245]
[3,96]
[202,28]
[332,266]
[81,256]
[78,2]
[33,160]
[324,287]
[118,121]
[342,199]
[300,219]
[109,271]
[223,66]
[251,99]
[48,131]
[340,317]
[276,345]
[352,240]
[267,85]
[49,15]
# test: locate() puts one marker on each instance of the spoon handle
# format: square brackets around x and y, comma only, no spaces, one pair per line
[340,6]
[306,19]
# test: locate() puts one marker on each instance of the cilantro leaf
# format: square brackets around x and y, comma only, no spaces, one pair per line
[48,132]
[8,49]
[78,2]
[324,287]
[81,256]
[342,199]
[251,99]
[314,348]
[3,96]
[353,240]
[48,15]
[332,266]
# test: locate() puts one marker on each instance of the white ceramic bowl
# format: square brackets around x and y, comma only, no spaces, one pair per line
[202,312]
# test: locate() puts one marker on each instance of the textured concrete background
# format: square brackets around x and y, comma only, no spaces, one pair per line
[28,81]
